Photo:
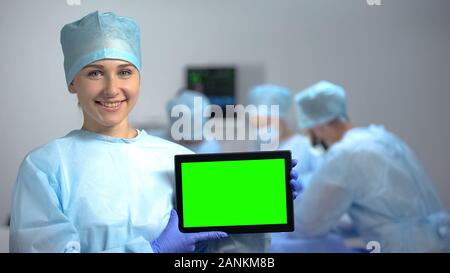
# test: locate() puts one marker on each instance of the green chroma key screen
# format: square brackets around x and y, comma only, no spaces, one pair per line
[234,192]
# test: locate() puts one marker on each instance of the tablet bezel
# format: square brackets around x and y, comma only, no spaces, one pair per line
[286,155]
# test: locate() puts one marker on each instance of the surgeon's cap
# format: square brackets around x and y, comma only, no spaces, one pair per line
[196,107]
[268,95]
[99,36]
[320,104]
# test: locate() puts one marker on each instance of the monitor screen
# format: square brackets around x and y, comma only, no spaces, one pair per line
[218,84]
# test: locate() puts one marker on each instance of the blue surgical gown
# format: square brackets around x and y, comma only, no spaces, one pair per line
[206,146]
[87,192]
[374,177]
[308,162]
[301,149]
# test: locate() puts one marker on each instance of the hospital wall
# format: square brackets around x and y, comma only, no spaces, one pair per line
[393,60]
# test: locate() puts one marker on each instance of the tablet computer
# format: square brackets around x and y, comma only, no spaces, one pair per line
[234,192]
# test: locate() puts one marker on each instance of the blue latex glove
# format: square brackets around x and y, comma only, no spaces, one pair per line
[296,186]
[172,240]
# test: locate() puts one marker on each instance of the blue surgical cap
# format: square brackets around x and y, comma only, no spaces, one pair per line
[99,36]
[320,104]
[267,95]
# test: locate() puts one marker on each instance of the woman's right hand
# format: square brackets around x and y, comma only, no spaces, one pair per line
[172,240]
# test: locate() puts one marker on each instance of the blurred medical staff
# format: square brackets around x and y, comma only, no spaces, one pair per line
[370,174]
[300,147]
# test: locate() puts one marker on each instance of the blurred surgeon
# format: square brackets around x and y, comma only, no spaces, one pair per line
[265,96]
[196,108]
[370,174]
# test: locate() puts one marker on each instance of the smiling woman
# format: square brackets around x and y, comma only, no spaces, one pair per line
[107,91]
[107,187]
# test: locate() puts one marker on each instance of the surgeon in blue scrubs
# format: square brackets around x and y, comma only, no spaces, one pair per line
[309,160]
[267,95]
[106,187]
[370,174]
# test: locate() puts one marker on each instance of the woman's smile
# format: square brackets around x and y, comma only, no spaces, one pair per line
[110,106]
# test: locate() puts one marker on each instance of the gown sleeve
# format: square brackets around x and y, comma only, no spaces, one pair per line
[328,196]
[37,221]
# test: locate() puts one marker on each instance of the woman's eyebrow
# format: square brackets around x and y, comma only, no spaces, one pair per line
[93,66]
[124,65]
[99,66]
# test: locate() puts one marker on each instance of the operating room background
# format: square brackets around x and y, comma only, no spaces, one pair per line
[393,60]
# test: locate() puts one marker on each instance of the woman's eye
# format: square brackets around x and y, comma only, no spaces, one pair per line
[125,73]
[94,74]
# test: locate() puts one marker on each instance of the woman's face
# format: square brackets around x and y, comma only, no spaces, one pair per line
[107,91]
